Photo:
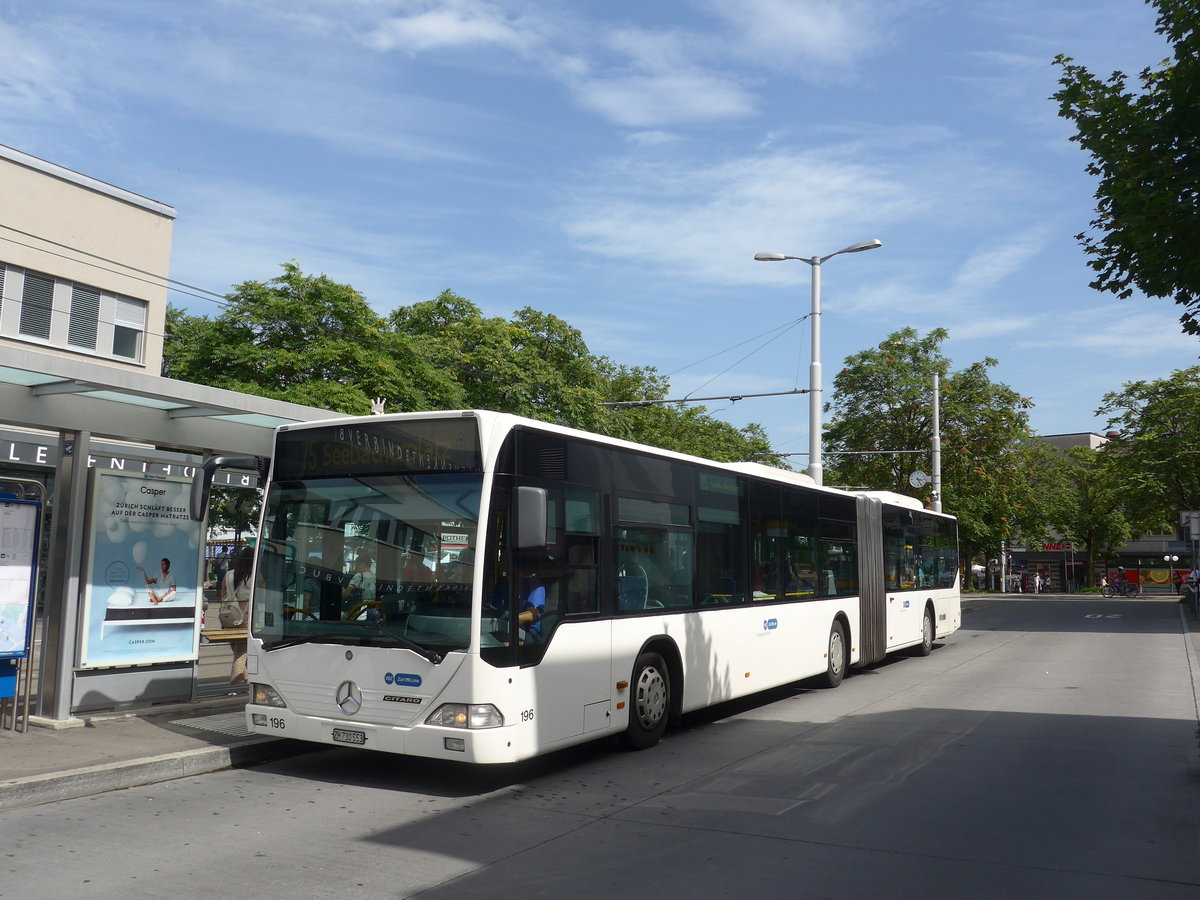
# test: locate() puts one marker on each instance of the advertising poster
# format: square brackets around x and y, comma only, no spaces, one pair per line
[18,555]
[141,597]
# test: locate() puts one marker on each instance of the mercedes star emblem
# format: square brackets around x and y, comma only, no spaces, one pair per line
[348,697]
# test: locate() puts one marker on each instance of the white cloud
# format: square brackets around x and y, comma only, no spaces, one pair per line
[704,222]
[643,78]
[668,98]
[454,24]
[652,138]
[814,35]
[996,261]
[989,326]
[1136,328]
[39,84]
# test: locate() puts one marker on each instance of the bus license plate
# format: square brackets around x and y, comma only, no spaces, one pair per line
[349,737]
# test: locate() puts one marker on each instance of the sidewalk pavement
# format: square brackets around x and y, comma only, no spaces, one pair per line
[111,751]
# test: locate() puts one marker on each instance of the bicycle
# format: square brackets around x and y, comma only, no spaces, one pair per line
[1120,590]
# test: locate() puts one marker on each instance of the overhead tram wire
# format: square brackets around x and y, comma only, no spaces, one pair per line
[854,452]
[782,331]
[785,327]
[125,270]
[732,398]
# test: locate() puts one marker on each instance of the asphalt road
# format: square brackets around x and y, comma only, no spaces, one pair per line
[1048,749]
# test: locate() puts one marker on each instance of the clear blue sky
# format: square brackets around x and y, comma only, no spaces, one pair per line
[619,163]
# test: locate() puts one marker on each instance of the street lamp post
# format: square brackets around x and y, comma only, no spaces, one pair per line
[815,467]
[1170,559]
[937,447]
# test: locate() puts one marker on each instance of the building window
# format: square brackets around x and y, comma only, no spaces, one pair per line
[129,325]
[37,305]
[41,308]
[85,316]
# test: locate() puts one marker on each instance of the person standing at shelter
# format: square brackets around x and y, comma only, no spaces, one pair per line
[235,609]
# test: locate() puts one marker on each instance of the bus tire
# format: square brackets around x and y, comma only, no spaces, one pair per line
[650,702]
[835,657]
[927,633]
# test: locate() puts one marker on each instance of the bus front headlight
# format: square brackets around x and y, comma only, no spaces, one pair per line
[464,715]
[265,695]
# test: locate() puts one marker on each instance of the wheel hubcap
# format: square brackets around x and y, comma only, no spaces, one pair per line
[651,697]
[836,651]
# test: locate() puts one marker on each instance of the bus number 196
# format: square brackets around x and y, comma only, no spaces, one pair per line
[527,715]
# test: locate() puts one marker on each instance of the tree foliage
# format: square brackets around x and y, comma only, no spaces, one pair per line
[996,477]
[310,340]
[304,339]
[1092,510]
[1144,147]
[1157,451]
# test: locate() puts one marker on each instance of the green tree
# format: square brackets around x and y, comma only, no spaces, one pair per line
[234,510]
[1092,511]
[309,340]
[1157,453]
[305,339]
[537,365]
[996,477]
[1144,146]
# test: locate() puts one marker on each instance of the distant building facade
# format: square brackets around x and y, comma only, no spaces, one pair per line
[1152,561]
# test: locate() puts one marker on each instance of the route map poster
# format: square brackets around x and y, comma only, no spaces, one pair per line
[140,604]
[18,569]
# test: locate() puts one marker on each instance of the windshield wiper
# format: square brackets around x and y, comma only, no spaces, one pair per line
[432,655]
[336,637]
[342,637]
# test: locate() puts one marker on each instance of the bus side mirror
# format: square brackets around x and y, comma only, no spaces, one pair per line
[203,479]
[530,506]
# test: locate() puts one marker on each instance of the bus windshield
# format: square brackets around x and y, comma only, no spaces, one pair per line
[371,560]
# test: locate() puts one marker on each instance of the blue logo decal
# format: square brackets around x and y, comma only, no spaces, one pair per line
[906,603]
[387,679]
[770,624]
[410,680]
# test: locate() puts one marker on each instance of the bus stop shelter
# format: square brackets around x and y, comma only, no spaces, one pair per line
[80,402]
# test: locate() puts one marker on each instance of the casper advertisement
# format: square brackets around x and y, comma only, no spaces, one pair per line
[143,577]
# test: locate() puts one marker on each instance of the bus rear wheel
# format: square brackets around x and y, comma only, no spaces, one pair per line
[835,657]
[650,702]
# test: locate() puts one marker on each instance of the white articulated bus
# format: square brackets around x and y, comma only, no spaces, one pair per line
[535,586]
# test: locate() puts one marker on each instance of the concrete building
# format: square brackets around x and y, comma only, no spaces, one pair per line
[83,265]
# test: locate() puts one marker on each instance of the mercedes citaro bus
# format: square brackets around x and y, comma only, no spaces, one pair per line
[536,586]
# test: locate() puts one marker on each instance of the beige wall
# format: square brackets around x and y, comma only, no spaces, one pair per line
[85,216]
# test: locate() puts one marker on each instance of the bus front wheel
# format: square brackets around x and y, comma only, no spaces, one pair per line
[927,633]
[835,658]
[650,702]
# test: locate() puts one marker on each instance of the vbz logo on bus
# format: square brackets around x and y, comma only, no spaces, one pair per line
[770,624]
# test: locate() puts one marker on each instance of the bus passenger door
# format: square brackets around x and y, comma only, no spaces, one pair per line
[569,646]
